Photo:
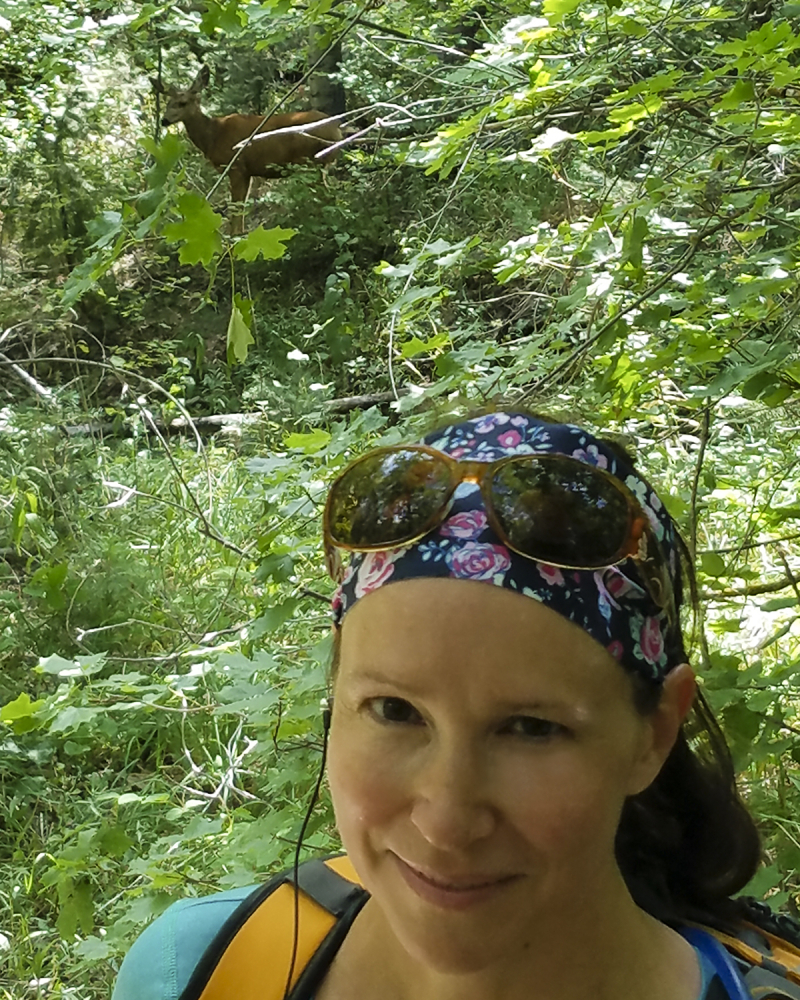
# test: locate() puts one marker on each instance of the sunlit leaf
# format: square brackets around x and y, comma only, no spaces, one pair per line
[239,336]
[20,713]
[556,10]
[311,442]
[197,231]
[268,243]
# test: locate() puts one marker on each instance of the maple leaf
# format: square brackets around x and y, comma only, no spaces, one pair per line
[197,230]
[270,243]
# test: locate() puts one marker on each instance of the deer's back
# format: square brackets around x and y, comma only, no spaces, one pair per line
[289,147]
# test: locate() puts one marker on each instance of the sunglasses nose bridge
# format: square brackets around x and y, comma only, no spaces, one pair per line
[472,472]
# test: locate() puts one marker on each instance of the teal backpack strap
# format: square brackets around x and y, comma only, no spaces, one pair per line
[161,960]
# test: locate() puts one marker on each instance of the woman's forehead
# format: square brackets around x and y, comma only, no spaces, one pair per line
[459,631]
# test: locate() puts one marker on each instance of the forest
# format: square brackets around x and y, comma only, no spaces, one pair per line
[590,208]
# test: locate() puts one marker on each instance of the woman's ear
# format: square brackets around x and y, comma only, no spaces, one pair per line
[663,725]
[680,688]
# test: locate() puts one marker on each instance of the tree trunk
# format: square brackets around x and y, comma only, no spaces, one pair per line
[327,95]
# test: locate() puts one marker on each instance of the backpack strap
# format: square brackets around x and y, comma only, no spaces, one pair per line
[769,965]
[250,957]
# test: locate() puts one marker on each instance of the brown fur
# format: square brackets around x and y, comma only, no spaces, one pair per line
[216,137]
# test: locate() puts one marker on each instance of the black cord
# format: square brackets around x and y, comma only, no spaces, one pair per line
[326,725]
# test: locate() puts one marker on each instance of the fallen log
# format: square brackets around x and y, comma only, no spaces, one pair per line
[218,421]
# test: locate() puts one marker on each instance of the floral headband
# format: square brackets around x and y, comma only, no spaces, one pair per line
[613,604]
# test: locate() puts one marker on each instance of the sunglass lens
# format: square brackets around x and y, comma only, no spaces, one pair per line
[561,511]
[388,497]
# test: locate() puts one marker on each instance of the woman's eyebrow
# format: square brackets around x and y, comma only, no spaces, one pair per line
[505,706]
[370,674]
[528,706]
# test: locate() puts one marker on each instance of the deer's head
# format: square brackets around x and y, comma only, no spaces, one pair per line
[181,103]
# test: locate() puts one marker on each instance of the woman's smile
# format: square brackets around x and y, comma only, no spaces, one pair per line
[452,892]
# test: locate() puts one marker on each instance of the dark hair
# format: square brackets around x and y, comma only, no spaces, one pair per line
[687,843]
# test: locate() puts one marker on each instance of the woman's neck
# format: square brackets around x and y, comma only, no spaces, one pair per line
[603,952]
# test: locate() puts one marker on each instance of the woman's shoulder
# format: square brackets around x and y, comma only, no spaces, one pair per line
[163,957]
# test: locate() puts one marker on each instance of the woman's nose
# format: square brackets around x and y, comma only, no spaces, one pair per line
[449,806]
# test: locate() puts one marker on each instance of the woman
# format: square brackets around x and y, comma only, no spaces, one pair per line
[508,764]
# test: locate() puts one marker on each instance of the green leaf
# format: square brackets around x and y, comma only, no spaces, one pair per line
[760,385]
[127,797]
[634,28]
[310,443]
[269,243]
[73,718]
[741,92]
[262,703]
[239,336]
[104,229]
[77,910]
[81,666]
[740,723]
[633,243]
[606,135]
[148,11]
[413,295]
[227,16]
[712,564]
[48,583]
[633,112]
[275,616]
[201,826]
[94,949]
[277,566]
[197,230]
[20,713]
[166,154]
[411,348]
[556,10]
[113,841]
[766,878]
[779,603]
[791,512]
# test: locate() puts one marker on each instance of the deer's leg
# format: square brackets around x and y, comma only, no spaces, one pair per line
[324,171]
[240,186]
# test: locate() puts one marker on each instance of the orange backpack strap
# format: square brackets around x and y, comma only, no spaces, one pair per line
[250,957]
[769,964]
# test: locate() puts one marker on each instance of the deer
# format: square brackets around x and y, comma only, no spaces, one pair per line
[217,137]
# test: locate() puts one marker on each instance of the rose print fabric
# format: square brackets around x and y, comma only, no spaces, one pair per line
[613,605]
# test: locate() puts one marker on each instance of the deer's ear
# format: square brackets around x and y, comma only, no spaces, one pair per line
[157,85]
[201,80]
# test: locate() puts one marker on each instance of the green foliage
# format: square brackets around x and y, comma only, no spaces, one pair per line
[618,249]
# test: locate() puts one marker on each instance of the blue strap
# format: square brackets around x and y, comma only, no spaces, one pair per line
[720,959]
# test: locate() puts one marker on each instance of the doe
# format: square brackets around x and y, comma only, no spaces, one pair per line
[216,137]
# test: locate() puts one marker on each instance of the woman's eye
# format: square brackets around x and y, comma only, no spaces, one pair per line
[395,710]
[531,727]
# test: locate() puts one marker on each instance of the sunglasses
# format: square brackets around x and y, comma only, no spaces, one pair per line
[550,508]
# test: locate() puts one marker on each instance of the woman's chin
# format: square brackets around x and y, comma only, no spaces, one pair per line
[451,955]
[452,947]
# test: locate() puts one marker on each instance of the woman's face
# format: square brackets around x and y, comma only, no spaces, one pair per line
[481,750]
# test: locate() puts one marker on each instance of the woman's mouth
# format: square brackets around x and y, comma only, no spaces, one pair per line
[452,892]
